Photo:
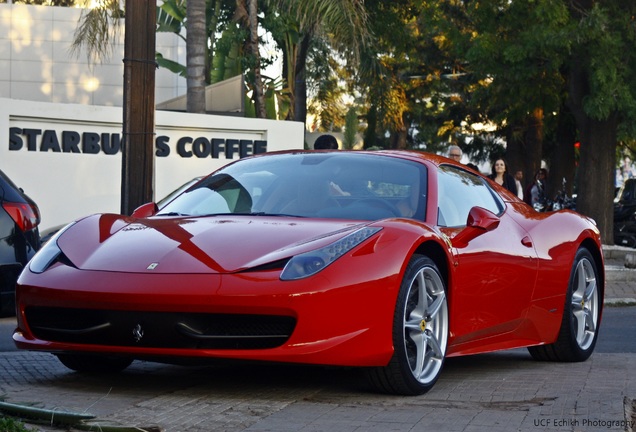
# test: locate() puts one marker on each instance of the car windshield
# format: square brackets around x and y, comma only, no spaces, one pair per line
[335,185]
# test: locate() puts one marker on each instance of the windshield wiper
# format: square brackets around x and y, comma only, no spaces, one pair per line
[254,214]
[172,214]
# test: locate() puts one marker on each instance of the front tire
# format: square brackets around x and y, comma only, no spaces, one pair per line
[91,363]
[420,332]
[581,315]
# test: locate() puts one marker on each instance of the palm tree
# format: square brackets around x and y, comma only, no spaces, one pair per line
[247,16]
[94,31]
[196,52]
[343,22]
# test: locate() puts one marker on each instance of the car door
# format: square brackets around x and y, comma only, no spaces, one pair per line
[494,274]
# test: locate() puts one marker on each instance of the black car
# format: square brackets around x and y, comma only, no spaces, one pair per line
[625,214]
[19,238]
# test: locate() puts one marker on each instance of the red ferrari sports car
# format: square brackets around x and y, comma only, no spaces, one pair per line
[390,261]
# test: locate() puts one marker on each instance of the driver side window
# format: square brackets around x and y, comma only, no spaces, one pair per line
[458,192]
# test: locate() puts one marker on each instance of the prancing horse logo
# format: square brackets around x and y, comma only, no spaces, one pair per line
[138,333]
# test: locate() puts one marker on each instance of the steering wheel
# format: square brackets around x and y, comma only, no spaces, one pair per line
[382,204]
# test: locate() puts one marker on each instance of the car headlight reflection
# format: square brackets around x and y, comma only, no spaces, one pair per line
[49,252]
[310,263]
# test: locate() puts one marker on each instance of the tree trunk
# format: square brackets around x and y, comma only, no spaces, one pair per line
[289,70]
[399,137]
[563,163]
[259,94]
[370,136]
[300,85]
[525,147]
[214,23]
[597,164]
[597,170]
[534,142]
[139,105]
[516,155]
[196,53]
[247,16]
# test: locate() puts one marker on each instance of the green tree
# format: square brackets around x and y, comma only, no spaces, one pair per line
[386,74]
[556,69]
[51,2]
[342,22]
[351,129]
[247,16]
[602,91]
[236,52]
[417,91]
[545,73]
[327,87]
[519,70]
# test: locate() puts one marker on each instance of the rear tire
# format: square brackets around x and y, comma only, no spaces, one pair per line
[94,363]
[580,323]
[420,332]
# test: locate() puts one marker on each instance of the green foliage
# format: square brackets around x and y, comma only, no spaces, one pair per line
[519,67]
[276,99]
[228,57]
[171,16]
[351,129]
[9,424]
[50,3]
[96,31]
[250,110]
[326,87]
[171,65]
[609,38]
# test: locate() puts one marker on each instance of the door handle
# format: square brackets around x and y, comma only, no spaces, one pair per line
[526,241]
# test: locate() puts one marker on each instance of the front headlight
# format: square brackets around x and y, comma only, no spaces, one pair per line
[49,252]
[310,263]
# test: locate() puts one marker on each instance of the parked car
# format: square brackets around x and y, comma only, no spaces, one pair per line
[390,261]
[625,214]
[19,238]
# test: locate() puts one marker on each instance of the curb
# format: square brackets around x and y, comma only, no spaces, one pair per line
[616,273]
[627,301]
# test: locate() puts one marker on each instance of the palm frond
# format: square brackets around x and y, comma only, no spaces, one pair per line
[97,32]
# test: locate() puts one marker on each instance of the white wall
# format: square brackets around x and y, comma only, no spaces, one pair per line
[72,182]
[36,64]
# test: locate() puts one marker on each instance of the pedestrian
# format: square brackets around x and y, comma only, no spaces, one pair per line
[501,176]
[455,153]
[536,190]
[326,142]
[518,181]
[472,166]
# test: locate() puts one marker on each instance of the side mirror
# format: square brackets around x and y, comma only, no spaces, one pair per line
[145,210]
[480,221]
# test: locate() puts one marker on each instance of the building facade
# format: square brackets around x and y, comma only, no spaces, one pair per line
[62,120]
[36,62]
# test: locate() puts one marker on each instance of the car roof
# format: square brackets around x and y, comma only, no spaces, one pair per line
[9,191]
[414,155]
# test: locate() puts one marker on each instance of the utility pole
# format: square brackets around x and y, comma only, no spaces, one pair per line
[139,105]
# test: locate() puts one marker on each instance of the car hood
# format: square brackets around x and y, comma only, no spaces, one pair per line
[212,244]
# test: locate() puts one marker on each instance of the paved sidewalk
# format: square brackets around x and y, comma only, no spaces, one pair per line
[495,392]
[620,281]
[504,392]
